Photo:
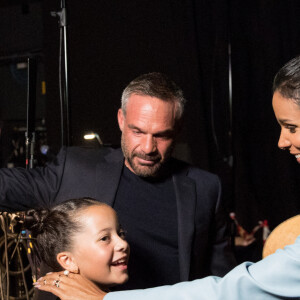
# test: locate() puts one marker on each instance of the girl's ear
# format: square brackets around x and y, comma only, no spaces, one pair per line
[67,261]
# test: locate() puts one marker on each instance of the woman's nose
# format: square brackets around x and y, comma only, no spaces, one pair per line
[284,141]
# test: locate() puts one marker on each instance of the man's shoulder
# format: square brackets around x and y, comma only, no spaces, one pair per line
[92,153]
[192,171]
[86,156]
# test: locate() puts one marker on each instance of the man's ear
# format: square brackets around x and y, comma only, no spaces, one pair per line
[121,119]
[67,261]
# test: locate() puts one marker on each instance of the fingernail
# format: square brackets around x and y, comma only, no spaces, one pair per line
[36,286]
[49,273]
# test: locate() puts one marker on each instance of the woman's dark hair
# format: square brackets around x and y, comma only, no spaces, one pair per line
[54,228]
[287,80]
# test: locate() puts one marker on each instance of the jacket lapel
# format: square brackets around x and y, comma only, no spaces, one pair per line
[108,176]
[185,191]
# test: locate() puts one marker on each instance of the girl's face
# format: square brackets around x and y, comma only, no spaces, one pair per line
[287,113]
[100,250]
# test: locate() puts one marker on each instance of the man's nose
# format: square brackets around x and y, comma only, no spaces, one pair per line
[148,144]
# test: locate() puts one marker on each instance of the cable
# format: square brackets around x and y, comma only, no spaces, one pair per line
[14,243]
[23,273]
[3,225]
[1,286]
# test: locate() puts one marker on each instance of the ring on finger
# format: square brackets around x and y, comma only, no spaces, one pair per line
[56,282]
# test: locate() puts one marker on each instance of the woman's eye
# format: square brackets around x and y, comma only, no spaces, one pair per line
[292,129]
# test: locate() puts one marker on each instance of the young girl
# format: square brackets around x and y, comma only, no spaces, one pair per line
[81,236]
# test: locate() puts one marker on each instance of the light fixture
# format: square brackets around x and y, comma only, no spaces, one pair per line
[93,135]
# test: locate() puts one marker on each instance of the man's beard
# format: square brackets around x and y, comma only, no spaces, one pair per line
[145,170]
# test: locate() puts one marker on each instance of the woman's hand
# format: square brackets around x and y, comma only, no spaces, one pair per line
[69,287]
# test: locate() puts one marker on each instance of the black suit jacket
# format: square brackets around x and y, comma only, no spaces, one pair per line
[77,172]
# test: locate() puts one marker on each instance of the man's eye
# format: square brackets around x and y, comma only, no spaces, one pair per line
[136,132]
[163,137]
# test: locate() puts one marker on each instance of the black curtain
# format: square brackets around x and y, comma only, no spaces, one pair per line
[112,42]
[264,36]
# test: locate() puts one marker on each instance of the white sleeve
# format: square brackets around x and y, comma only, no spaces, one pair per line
[275,277]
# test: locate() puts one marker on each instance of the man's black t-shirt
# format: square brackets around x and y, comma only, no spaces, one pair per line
[147,211]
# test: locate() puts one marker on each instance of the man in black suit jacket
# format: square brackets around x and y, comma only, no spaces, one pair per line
[172,211]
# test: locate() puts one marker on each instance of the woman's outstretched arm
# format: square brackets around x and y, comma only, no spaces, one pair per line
[275,277]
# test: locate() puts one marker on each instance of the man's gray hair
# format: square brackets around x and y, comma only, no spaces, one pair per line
[156,85]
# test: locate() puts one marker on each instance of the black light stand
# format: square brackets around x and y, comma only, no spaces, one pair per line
[31,104]
[64,93]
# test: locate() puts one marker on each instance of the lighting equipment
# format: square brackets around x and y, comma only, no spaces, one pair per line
[93,135]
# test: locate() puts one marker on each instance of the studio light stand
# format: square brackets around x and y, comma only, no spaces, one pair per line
[31,104]
[63,86]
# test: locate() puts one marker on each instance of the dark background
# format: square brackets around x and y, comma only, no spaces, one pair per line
[112,42]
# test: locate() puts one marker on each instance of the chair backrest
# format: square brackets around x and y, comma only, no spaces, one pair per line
[284,234]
